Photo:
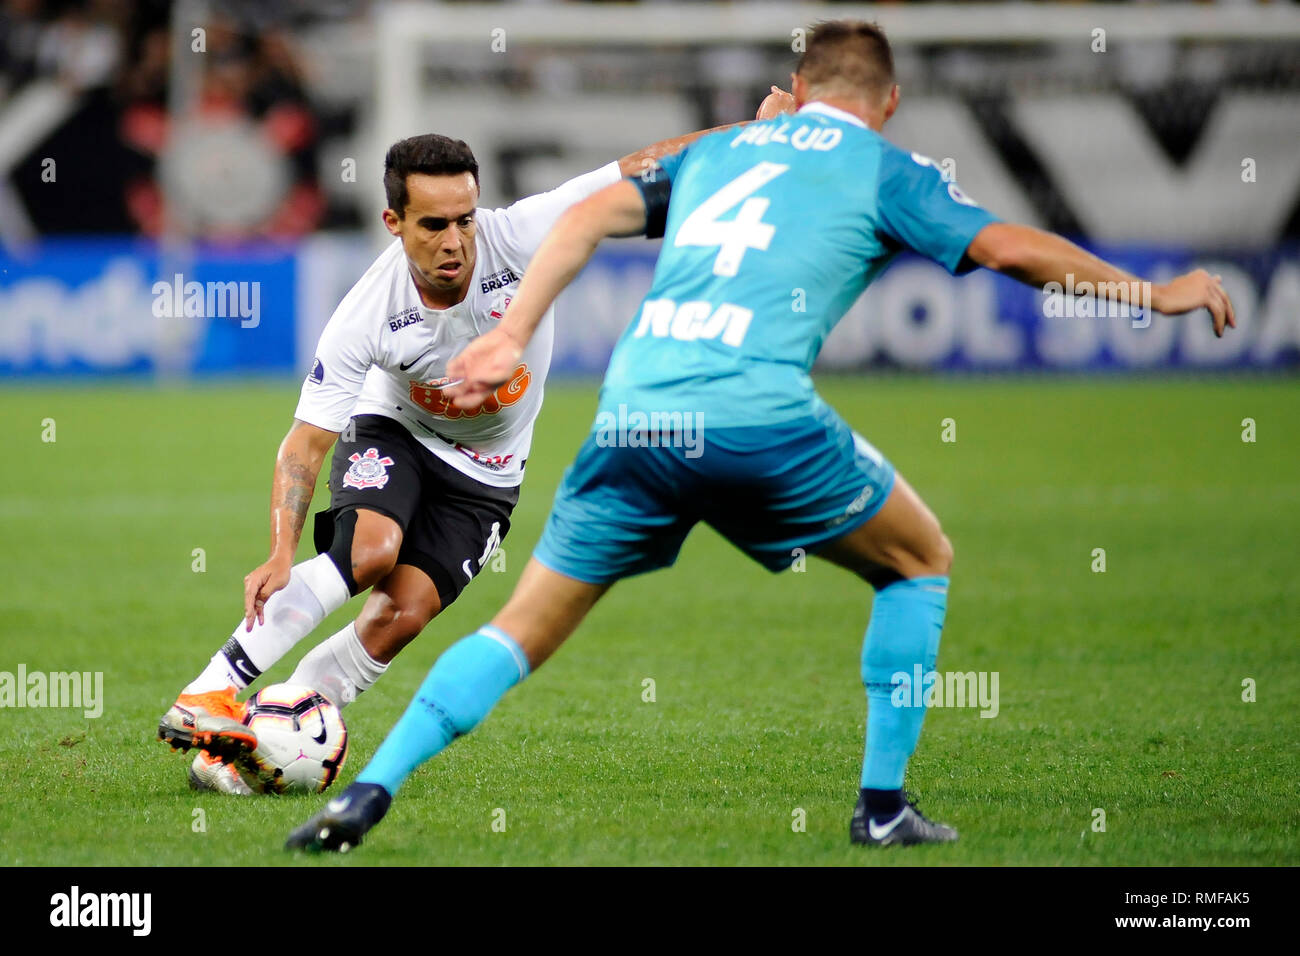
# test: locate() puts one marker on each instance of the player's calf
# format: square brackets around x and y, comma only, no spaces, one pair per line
[398,608]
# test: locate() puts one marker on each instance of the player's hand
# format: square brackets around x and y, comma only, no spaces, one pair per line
[1195,290]
[260,584]
[775,103]
[482,367]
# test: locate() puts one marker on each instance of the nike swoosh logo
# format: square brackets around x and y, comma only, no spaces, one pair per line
[324,732]
[410,365]
[879,833]
[465,567]
[338,804]
[243,667]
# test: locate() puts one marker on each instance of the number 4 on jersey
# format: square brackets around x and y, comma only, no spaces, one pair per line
[737,236]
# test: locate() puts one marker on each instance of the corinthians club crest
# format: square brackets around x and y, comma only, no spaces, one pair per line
[368,470]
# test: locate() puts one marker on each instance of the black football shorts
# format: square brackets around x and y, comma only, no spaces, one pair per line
[450,523]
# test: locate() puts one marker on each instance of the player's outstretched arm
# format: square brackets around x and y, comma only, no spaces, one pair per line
[635,164]
[296,466]
[1037,258]
[488,361]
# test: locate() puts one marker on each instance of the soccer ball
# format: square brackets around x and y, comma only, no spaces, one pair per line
[301,739]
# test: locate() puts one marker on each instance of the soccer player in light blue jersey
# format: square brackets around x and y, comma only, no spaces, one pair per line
[814,201]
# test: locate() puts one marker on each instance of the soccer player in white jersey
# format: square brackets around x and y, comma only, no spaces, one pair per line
[421,490]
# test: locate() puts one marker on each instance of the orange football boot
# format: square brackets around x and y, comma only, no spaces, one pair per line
[213,722]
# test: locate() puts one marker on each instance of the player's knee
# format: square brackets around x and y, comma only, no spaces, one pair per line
[365,547]
[930,557]
[927,555]
[372,560]
[936,559]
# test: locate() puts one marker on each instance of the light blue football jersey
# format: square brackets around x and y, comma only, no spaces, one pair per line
[773,230]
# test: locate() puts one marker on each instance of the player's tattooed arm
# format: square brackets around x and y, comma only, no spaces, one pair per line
[298,482]
[296,466]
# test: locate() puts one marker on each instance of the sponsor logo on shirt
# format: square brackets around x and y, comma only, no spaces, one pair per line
[688,321]
[490,462]
[402,319]
[430,396]
[499,280]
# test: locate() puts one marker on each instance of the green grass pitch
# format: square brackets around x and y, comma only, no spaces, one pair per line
[1120,691]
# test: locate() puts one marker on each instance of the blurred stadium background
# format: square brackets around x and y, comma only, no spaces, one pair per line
[242,142]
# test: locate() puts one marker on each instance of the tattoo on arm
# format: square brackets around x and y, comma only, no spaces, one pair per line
[298,482]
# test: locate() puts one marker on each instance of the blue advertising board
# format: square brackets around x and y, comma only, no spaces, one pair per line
[102,306]
[122,307]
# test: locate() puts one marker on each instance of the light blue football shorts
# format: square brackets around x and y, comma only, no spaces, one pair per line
[626,504]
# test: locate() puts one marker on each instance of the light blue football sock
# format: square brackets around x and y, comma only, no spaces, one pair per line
[906,621]
[464,684]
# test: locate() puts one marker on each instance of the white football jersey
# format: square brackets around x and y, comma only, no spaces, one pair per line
[384,352]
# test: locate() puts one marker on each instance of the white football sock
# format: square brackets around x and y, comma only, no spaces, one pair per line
[315,590]
[340,667]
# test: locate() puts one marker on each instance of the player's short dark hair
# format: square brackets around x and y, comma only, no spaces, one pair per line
[430,153]
[848,53]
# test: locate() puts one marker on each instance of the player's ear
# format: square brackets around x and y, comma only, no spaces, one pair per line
[892,103]
[392,222]
[799,90]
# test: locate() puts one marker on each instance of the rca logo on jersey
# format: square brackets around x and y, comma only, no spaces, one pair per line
[430,397]
[499,280]
[664,318]
[368,470]
[402,319]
